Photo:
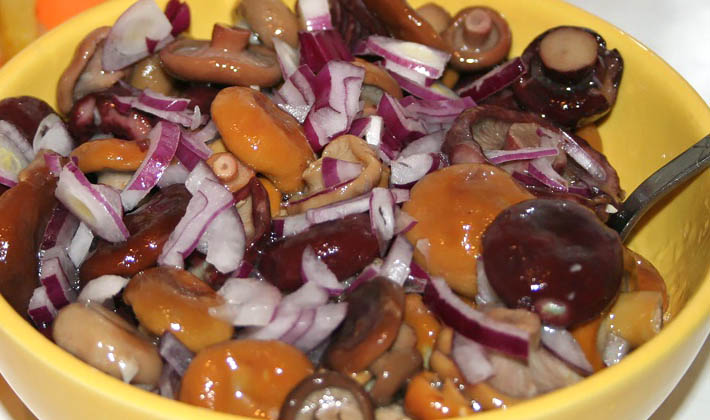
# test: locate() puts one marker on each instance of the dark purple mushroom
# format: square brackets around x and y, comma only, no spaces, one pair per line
[227,59]
[85,73]
[25,113]
[478,38]
[572,78]
[553,257]
[487,128]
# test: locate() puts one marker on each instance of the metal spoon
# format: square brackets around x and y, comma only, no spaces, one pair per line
[663,181]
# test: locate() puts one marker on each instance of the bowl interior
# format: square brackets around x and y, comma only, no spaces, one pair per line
[657,116]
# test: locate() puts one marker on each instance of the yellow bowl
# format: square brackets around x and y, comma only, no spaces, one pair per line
[657,116]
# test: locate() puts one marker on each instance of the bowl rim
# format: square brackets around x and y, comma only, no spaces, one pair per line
[694,315]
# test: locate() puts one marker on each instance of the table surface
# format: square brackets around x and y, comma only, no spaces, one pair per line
[676,30]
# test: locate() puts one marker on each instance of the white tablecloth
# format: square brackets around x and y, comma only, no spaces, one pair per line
[679,31]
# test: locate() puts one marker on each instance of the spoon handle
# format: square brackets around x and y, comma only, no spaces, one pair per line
[663,181]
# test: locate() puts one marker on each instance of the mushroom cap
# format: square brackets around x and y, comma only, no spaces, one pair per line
[226,59]
[478,38]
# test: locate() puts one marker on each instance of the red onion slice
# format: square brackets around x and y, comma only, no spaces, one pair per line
[289,226]
[437,91]
[541,169]
[615,349]
[90,205]
[52,134]
[369,128]
[80,244]
[407,73]
[494,81]
[321,47]
[60,229]
[225,241]
[398,260]
[526,153]
[210,199]
[126,42]
[175,173]
[188,118]
[102,288]
[315,270]
[12,139]
[179,15]
[54,162]
[57,274]
[382,220]
[175,353]
[470,357]
[404,127]
[190,151]
[473,324]
[315,15]
[407,171]
[420,58]
[198,175]
[403,221]
[485,294]
[326,319]
[302,324]
[162,102]
[288,57]
[248,302]
[12,158]
[400,195]
[431,143]
[339,210]
[164,138]
[576,152]
[336,171]
[40,308]
[297,95]
[437,111]
[563,344]
[368,273]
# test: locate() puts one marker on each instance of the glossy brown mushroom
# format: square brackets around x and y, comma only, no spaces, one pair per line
[378,77]
[227,59]
[327,394]
[478,38]
[572,78]
[74,83]
[405,23]
[438,17]
[150,74]
[270,19]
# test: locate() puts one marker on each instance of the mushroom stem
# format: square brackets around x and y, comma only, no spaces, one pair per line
[230,39]
[224,165]
[568,54]
[477,27]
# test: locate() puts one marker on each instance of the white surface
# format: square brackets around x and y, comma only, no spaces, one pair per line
[678,31]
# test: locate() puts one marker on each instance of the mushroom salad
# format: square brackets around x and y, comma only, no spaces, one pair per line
[355,210]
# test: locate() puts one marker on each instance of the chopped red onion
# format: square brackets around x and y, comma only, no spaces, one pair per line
[175,173]
[408,170]
[175,352]
[248,302]
[368,273]
[52,134]
[407,73]
[437,91]
[526,153]
[404,127]
[164,103]
[289,226]
[494,81]
[315,270]
[191,119]
[225,241]
[382,221]
[57,274]
[320,47]
[190,151]
[615,349]
[198,174]
[164,139]
[40,308]
[431,143]
[102,288]
[576,152]
[209,200]
[337,172]
[339,209]
[541,169]
[337,89]
[90,205]
[126,42]
[470,358]
[563,345]
[474,324]
[438,111]
[179,15]
[315,15]
[485,294]
[80,244]
[60,229]
[398,260]
[327,318]
[301,326]
[54,163]
[288,57]
[403,221]
[13,159]
[369,128]
[297,95]
[420,58]
[12,140]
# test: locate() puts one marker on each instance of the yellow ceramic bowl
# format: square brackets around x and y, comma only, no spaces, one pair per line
[657,116]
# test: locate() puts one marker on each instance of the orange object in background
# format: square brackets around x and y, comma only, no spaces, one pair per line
[51,13]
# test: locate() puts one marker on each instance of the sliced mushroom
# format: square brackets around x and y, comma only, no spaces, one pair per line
[375,312]
[270,19]
[107,342]
[85,73]
[349,148]
[227,59]
[327,394]
[478,38]
[572,78]
[395,367]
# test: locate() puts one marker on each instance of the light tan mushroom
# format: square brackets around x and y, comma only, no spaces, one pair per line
[85,73]
[107,342]
[149,74]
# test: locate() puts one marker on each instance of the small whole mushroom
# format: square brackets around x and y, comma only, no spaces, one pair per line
[270,19]
[572,78]
[478,38]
